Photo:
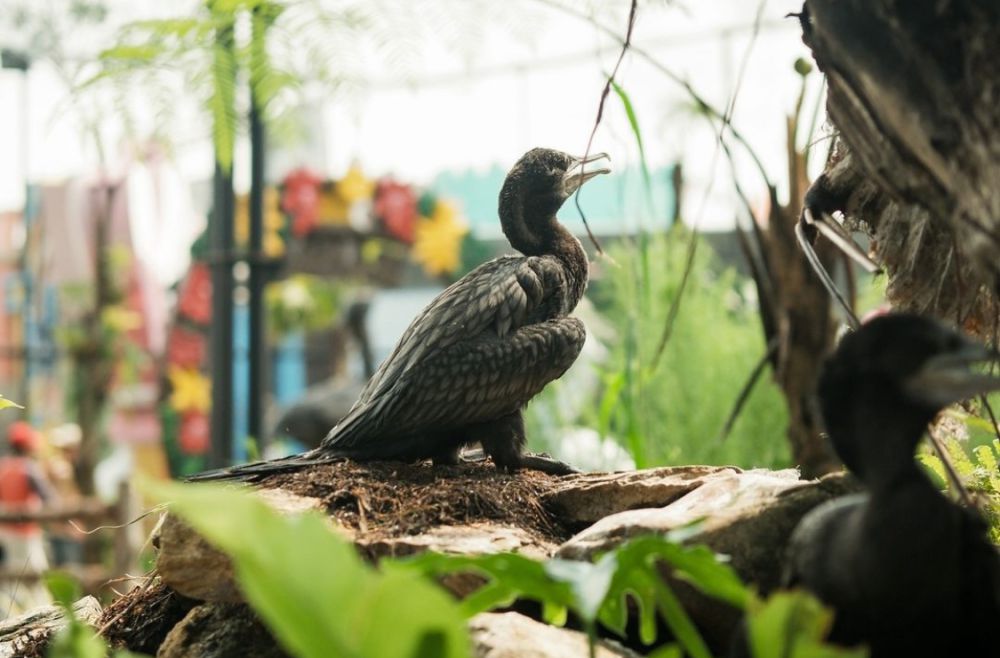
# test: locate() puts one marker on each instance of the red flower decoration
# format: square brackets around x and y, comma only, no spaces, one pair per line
[194,436]
[396,206]
[300,199]
[185,348]
[196,294]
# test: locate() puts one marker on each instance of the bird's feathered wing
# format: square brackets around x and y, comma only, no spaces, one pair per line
[482,348]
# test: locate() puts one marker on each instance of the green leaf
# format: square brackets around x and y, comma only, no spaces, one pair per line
[65,590]
[793,624]
[222,103]
[310,586]
[634,123]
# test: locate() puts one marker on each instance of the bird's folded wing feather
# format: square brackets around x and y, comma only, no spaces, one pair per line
[495,299]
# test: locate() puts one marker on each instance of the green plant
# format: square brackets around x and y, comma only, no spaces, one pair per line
[311,587]
[302,303]
[76,639]
[976,459]
[596,592]
[674,412]
[792,624]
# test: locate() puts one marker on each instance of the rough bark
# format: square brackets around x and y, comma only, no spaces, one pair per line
[914,93]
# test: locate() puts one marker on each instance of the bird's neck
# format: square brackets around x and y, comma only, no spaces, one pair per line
[883,452]
[549,238]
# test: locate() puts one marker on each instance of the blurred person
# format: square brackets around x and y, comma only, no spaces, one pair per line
[23,488]
[65,539]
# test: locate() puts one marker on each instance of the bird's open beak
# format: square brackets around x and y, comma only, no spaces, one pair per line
[578,173]
[952,377]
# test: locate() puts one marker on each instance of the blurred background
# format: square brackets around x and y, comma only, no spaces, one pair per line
[217,216]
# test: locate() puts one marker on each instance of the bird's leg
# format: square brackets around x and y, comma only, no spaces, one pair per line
[504,440]
[449,457]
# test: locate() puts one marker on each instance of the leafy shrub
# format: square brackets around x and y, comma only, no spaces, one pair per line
[674,413]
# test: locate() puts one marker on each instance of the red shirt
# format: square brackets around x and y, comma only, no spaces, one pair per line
[20,491]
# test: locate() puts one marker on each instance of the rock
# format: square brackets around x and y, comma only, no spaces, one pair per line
[748,516]
[473,539]
[220,630]
[588,497]
[37,626]
[191,566]
[512,635]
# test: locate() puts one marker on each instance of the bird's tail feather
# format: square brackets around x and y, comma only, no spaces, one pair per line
[270,467]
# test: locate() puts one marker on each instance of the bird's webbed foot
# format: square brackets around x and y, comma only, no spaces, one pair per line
[503,440]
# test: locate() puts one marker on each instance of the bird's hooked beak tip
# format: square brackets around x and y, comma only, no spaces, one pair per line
[577,174]
[953,376]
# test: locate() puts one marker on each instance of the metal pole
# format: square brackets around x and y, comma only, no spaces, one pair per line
[221,333]
[257,355]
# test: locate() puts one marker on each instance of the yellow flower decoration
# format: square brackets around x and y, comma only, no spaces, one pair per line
[355,186]
[333,208]
[192,391]
[438,242]
[274,221]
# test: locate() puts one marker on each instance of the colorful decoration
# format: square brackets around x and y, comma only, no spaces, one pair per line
[355,186]
[438,244]
[333,208]
[301,200]
[194,435]
[195,301]
[396,207]
[185,348]
[274,221]
[192,391]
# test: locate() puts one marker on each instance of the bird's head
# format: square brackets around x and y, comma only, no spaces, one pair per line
[886,381]
[540,182]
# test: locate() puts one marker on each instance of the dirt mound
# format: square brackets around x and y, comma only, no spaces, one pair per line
[394,499]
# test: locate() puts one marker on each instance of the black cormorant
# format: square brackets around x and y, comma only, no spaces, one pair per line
[468,364]
[906,571]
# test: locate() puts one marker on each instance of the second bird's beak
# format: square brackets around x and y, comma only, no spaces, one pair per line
[949,378]
[577,174]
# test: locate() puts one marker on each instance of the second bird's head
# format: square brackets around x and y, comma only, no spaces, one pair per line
[541,181]
[890,378]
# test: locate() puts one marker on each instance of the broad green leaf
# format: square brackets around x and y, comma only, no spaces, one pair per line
[309,585]
[793,624]
[677,618]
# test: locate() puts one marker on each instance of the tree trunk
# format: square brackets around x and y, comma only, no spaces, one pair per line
[913,90]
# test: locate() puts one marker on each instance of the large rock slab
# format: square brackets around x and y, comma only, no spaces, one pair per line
[747,516]
[512,635]
[586,498]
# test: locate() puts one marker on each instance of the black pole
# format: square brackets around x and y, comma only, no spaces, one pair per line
[258,278]
[221,333]
[220,239]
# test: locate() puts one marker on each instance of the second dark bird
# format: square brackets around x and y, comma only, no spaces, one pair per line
[907,571]
[468,364]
